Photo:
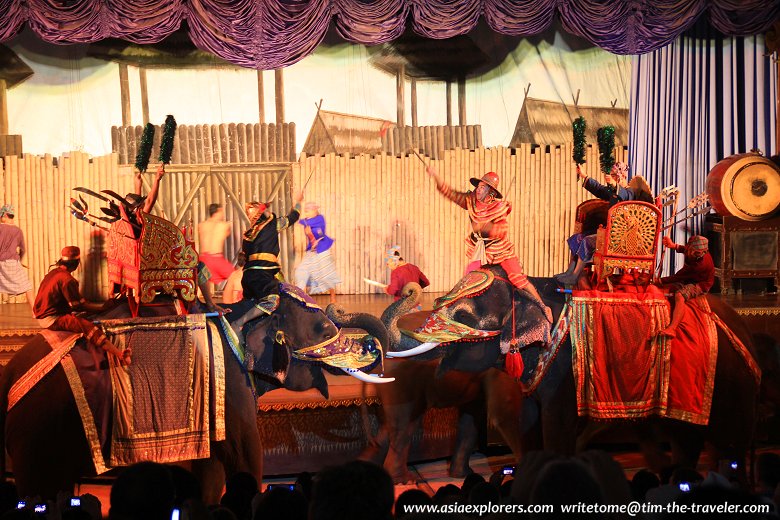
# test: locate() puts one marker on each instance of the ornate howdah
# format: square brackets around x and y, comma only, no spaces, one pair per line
[630,239]
[161,259]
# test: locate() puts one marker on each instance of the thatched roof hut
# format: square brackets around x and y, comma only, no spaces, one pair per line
[333,132]
[549,122]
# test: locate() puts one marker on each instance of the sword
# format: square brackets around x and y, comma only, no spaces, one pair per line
[375,283]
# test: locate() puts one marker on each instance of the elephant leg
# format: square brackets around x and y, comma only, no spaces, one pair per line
[530,426]
[655,456]
[377,447]
[401,422]
[687,442]
[211,475]
[504,408]
[465,443]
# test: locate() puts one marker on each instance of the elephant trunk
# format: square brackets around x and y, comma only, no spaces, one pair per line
[410,296]
[360,320]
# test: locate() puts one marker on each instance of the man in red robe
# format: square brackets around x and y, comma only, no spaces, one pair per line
[59,297]
[695,278]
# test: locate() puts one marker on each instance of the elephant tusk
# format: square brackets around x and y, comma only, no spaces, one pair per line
[416,351]
[368,378]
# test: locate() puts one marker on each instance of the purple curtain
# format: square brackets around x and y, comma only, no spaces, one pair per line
[269,34]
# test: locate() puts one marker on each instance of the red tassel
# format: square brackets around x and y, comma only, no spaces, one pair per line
[514,364]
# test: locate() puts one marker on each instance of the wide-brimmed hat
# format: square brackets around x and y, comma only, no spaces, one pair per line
[491,179]
[70,253]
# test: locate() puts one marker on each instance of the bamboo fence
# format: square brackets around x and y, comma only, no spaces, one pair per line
[206,144]
[370,202]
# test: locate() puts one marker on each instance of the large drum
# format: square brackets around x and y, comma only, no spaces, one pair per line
[746,186]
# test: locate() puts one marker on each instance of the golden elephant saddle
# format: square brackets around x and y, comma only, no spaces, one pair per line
[472,284]
[162,259]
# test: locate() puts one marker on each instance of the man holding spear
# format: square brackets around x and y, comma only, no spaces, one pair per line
[488,242]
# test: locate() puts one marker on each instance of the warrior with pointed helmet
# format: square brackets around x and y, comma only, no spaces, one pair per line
[488,242]
[261,246]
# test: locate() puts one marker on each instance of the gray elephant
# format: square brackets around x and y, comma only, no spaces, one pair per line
[45,439]
[469,377]
[549,413]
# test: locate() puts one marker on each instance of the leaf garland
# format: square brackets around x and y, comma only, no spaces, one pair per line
[145,148]
[166,143]
[606,138]
[578,127]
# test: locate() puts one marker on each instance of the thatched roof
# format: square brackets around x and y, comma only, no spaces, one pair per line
[549,122]
[333,132]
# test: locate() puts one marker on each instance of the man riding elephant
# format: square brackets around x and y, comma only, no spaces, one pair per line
[59,296]
[488,242]
[261,247]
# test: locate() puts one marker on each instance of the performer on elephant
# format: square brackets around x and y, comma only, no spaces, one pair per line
[488,242]
[402,273]
[261,247]
[59,296]
[317,271]
[617,189]
[696,277]
[13,277]
[134,201]
[212,234]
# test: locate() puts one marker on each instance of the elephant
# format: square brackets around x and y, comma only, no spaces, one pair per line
[474,382]
[45,439]
[549,417]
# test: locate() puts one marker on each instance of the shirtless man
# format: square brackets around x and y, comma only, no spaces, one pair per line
[212,234]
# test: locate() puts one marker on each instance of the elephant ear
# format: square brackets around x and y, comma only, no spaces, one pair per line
[280,358]
[526,330]
[268,354]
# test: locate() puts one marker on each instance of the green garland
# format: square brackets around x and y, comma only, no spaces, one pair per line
[166,143]
[578,130]
[606,138]
[145,148]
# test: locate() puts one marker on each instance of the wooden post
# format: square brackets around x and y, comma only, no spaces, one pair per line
[3,108]
[462,101]
[279,86]
[399,96]
[124,89]
[449,103]
[144,94]
[414,102]
[260,97]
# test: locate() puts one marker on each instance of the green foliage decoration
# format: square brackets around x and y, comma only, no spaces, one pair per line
[606,138]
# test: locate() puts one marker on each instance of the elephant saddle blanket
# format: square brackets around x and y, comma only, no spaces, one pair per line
[164,407]
[624,369]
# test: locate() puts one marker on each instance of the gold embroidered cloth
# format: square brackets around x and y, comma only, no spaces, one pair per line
[624,369]
[161,401]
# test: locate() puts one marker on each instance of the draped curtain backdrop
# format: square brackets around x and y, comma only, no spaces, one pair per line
[694,102]
[270,34]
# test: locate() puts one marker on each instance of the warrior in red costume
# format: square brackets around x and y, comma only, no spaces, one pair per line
[695,278]
[488,242]
[59,296]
